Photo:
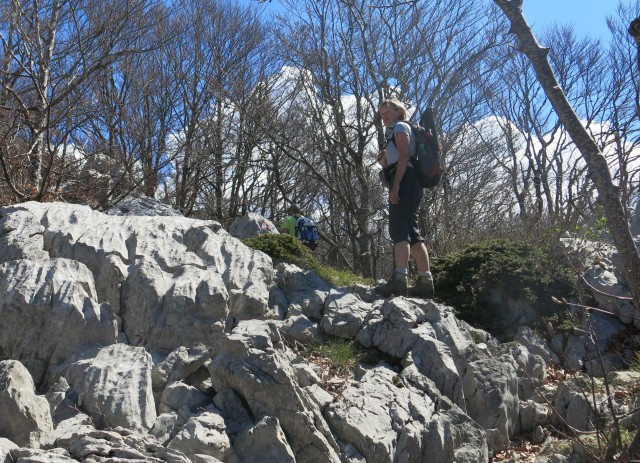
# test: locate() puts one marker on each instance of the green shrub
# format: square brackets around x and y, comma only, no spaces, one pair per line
[473,280]
[286,248]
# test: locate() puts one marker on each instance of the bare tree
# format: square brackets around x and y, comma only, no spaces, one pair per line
[622,110]
[129,114]
[547,179]
[51,51]
[596,162]
[216,62]
[634,31]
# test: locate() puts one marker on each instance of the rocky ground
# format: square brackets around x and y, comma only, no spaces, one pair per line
[167,339]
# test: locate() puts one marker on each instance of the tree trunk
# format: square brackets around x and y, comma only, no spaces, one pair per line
[633,451]
[634,31]
[598,170]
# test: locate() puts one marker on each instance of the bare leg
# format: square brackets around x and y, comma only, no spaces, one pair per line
[419,251]
[401,251]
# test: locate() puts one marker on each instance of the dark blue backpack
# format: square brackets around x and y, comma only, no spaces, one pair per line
[427,160]
[307,232]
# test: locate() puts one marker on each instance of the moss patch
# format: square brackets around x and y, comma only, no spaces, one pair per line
[286,248]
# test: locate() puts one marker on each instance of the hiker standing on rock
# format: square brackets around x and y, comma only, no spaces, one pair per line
[405,194]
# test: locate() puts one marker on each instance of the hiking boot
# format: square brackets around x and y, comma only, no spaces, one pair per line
[396,286]
[423,287]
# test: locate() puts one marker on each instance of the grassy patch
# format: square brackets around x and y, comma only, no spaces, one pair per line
[286,248]
[634,364]
[339,357]
[342,353]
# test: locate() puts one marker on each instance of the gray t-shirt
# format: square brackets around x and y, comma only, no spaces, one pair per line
[391,151]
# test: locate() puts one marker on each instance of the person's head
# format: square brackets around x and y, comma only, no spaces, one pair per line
[294,209]
[393,110]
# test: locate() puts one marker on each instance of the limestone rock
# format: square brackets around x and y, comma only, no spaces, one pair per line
[299,328]
[530,369]
[388,326]
[121,445]
[574,407]
[168,425]
[575,352]
[163,338]
[164,311]
[172,281]
[62,401]
[21,235]
[344,314]
[303,288]
[253,362]
[390,417]
[532,415]
[67,431]
[252,225]
[491,393]
[432,358]
[204,435]
[5,446]
[237,415]
[536,345]
[28,455]
[265,442]
[136,204]
[180,364]
[113,386]
[23,412]
[41,299]
[178,394]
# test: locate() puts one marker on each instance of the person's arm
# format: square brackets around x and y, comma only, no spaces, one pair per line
[402,140]
[382,158]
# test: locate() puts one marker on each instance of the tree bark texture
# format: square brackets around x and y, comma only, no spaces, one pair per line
[596,163]
[634,31]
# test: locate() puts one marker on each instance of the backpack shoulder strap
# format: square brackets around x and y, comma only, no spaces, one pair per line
[392,139]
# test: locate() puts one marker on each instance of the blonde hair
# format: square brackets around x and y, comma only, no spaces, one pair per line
[397,105]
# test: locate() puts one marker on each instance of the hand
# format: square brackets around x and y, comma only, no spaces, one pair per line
[381,158]
[394,194]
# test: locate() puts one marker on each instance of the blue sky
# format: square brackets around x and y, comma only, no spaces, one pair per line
[587,16]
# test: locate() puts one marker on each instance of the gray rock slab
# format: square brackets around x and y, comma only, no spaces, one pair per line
[491,393]
[255,364]
[265,442]
[344,314]
[41,299]
[113,386]
[171,280]
[389,417]
[23,412]
[252,225]
[203,434]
